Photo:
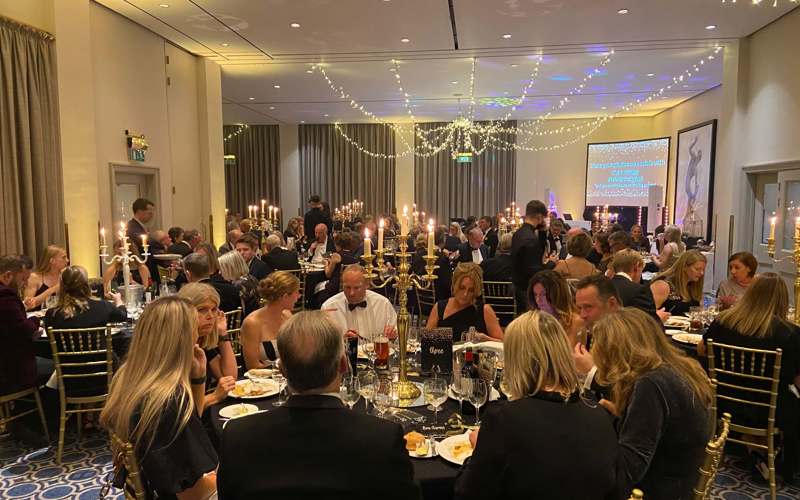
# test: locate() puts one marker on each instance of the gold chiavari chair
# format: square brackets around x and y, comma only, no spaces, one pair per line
[234,331]
[713,457]
[426,301]
[125,457]
[749,378]
[80,355]
[300,305]
[164,274]
[500,295]
[7,414]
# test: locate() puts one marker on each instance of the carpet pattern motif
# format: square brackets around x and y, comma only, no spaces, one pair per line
[33,474]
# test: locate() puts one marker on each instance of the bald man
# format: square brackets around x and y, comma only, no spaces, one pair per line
[321,245]
[360,310]
[473,250]
[230,243]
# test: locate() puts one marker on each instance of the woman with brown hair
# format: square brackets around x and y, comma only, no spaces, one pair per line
[758,321]
[545,435]
[156,399]
[576,266]
[280,291]
[43,281]
[742,267]
[663,400]
[673,248]
[549,292]
[681,286]
[462,311]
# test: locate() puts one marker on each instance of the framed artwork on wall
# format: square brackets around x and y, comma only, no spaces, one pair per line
[694,179]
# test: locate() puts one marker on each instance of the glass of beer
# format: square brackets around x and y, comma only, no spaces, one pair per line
[381,344]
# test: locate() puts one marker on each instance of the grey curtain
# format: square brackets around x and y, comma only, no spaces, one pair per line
[334,169]
[447,189]
[31,196]
[253,175]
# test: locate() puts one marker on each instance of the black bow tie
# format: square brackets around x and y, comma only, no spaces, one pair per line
[359,304]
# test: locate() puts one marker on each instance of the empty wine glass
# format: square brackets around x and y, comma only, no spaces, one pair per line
[478,395]
[368,347]
[366,387]
[348,390]
[435,391]
[281,381]
[383,395]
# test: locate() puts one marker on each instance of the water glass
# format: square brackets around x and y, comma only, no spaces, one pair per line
[366,386]
[478,395]
[435,391]
[383,395]
[278,377]
[348,390]
[368,348]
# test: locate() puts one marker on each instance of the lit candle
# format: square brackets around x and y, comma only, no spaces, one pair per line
[271,211]
[144,241]
[367,244]
[263,202]
[772,227]
[255,212]
[431,243]
[404,221]
[275,213]
[103,236]
[380,235]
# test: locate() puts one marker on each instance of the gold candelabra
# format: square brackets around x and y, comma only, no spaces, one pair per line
[795,256]
[404,280]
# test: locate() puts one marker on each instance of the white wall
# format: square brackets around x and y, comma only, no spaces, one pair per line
[37,13]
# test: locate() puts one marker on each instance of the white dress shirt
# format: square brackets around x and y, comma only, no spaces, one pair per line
[366,321]
[477,258]
[319,250]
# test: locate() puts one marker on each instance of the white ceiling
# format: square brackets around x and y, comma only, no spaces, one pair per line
[357,39]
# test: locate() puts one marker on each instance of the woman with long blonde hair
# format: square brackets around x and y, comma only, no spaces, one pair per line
[681,286]
[758,321]
[546,434]
[663,399]
[43,281]
[156,399]
[213,339]
[672,250]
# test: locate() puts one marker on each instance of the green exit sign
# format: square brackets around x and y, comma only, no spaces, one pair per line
[464,158]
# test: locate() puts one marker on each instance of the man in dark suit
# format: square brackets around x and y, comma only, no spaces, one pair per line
[316,215]
[277,258]
[528,251]
[490,238]
[473,250]
[246,246]
[179,246]
[628,266]
[198,270]
[230,243]
[317,447]
[619,240]
[143,211]
[500,267]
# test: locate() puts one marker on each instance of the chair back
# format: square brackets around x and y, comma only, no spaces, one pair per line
[300,305]
[500,295]
[164,274]
[748,378]
[426,301]
[713,457]
[125,458]
[234,318]
[82,357]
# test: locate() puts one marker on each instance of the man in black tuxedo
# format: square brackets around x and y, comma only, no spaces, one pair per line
[143,211]
[317,447]
[500,267]
[473,250]
[198,270]
[628,266]
[490,238]
[230,243]
[528,251]
[179,246]
[277,258]
[246,246]
[316,215]
[619,240]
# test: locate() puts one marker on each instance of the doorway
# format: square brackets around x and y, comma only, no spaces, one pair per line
[129,183]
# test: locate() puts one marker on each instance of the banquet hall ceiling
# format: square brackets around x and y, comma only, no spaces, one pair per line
[259,49]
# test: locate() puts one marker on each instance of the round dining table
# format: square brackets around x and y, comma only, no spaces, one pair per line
[435,475]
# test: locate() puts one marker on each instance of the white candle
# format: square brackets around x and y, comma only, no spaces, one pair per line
[263,202]
[144,240]
[271,211]
[404,221]
[103,236]
[772,227]
[367,244]
[380,235]
[431,243]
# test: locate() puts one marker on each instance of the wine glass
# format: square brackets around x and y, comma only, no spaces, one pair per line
[488,366]
[383,395]
[458,362]
[281,381]
[349,390]
[366,386]
[435,391]
[478,395]
[368,347]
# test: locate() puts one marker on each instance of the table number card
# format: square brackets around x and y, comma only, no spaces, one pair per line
[436,349]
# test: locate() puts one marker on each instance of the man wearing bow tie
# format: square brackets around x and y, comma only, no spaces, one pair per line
[360,311]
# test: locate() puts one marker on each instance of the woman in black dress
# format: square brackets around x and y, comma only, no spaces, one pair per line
[545,442]
[680,287]
[461,311]
[662,399]
[156,399]
[758,321]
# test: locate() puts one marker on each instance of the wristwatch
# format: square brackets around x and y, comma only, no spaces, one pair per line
[224,338]
[198,380]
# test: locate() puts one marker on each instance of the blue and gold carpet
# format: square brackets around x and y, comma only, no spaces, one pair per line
[33,474]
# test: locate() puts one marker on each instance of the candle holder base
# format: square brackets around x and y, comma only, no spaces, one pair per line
[407,393]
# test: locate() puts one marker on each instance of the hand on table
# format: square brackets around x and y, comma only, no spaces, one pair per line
[390,332]
[482,337]
[583,358]
[29,303]
[224,386]
[663,315]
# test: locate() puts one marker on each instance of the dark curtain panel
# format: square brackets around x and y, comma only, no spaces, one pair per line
[447,189]
[31,196]
[253,175]
[334,169]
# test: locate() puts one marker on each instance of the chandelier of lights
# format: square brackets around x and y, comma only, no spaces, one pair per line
[759,2]
[464,135]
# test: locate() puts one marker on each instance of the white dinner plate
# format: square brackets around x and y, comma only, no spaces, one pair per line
[235,411]
[688,338]
[671,332]
[446,448]
[270,385]
[491,345]
[167,256]
[494,396]
[259,373]
[677,322]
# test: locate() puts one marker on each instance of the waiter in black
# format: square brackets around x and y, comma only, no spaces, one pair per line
[316,215]
[529,251]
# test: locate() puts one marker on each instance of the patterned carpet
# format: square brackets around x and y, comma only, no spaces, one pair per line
[33,474]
